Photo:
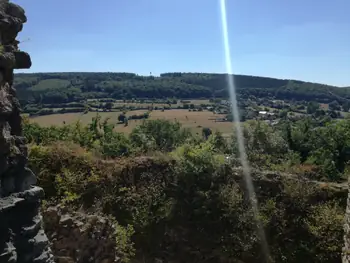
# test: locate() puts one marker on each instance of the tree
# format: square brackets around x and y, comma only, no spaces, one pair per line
[206,132]
[333,114]
[312,107]
[86,108]
[334,105]
[158,135]
[126,121]
[300,137]
[121,118]
[283,114]
[218,141]
[346,106]
[229,117]
[332,147]
[319,113]
[108,105]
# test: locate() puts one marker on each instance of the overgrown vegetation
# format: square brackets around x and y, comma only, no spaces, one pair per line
[180,197]
[321,147]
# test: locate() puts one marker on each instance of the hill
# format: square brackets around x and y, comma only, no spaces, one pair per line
[73,87]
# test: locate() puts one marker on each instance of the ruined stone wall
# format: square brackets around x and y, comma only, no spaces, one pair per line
[346,248]
[80,238]
[22,238]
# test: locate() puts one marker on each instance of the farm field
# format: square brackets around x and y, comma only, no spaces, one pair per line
[193,120]
[159,105]
[121,103]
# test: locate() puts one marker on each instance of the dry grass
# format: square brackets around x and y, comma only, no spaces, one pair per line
[193,120]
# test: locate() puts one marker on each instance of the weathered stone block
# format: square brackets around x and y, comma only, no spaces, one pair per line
[9,254]
[8,185]
[5,138]
[5,101]
[45,257]
[31,195]
[22,59]
[32,230]
[7,204]
[7,60]
[25,180]
[16,11]
[80,238]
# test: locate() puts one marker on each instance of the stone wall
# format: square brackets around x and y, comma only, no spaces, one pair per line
[22,238]
[346,248]
[80,238]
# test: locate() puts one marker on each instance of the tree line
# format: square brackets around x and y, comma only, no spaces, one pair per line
[48,88]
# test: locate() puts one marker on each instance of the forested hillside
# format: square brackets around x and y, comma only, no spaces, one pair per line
[72,87]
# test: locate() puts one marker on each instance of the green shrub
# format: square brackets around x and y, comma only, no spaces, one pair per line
[158,135]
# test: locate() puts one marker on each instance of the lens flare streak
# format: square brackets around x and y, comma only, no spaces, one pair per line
[239,133]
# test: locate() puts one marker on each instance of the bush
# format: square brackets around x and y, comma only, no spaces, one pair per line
[158,135]
[140,116]
[98,136]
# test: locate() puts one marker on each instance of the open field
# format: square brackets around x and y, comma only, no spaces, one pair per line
[136,104]
[193,101]
[194,120]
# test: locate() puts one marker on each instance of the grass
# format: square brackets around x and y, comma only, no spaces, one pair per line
[193,120]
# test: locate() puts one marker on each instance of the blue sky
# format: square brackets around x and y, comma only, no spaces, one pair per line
[299,39]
